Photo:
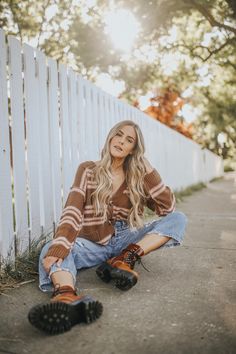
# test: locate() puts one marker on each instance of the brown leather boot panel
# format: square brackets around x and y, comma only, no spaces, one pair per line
[123,266]
[66,297]
[65,294]
[126,260]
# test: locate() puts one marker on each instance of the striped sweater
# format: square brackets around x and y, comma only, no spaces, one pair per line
[79,220]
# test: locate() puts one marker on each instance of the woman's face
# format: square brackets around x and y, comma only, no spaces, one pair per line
[123,143]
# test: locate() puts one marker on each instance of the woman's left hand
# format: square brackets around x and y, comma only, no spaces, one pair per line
[148,166]
[49,261]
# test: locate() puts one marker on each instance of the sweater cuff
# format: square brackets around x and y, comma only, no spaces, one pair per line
[57,251]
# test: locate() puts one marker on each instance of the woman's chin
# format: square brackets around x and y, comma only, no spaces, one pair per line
[117,156]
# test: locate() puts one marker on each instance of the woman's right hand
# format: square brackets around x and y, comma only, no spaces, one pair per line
[49,261]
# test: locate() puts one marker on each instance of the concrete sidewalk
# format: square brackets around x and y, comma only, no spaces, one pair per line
[186,304]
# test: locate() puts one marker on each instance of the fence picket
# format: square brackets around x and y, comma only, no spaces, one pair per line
[54,138]
[18,145]
[7,248]
[73,120]
[106,108]
[116,111]
[95,123]
[32,138]
[88,121]
[81,117]
[112,110]
[65,132]
[102,120]
[45,171]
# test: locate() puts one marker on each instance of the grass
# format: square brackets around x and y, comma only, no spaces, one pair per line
[228,168]
[148,213]
[179,195]
[216,179]
[25,267]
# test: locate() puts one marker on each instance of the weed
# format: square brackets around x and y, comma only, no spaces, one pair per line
[179,195]
[25,267]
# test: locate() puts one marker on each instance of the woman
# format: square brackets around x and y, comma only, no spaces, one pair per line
[101,224]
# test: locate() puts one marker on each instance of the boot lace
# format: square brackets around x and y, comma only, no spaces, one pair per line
[131,257]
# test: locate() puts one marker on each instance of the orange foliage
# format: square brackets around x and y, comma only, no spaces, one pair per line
[165,106]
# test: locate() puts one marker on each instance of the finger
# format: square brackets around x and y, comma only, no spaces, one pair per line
[47,265]
[59,262]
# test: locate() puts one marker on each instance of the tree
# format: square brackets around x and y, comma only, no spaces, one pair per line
[164,106]
[205,38]
[44,23]
[219,107]
[197,38]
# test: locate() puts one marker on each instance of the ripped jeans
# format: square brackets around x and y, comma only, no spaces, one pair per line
[87,254]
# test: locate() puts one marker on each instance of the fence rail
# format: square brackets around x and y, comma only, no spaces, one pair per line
[51,119]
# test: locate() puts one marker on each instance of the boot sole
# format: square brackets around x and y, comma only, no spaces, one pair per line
[124,280]
[59,317]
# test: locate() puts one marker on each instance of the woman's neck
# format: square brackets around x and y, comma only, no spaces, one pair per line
[117,166]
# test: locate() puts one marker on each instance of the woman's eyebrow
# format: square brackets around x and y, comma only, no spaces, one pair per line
[127,135]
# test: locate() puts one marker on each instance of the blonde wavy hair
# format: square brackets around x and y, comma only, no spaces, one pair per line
[134,169]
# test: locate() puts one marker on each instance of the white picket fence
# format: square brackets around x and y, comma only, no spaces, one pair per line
[58,119]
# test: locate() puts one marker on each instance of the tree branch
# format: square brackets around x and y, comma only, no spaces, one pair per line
[212,52]
[192,50]
[43,20]
[213,22]
[15,19]
[231,64]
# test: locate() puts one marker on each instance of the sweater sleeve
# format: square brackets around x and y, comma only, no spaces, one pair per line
[160,197]
[71,219]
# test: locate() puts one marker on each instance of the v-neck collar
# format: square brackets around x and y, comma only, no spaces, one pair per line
[119,188]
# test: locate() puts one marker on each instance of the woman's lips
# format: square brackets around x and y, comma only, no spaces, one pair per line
[118,148]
